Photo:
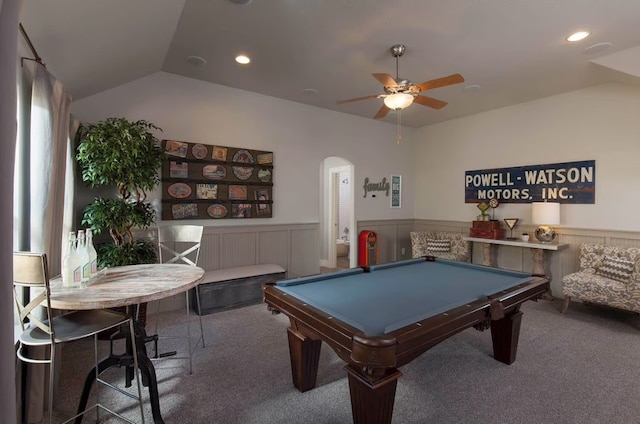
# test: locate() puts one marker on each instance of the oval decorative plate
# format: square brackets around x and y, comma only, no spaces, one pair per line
[199,151]
[179,190]
[264,175]
[214,172]
[243,156]
[243,172]
[216,211]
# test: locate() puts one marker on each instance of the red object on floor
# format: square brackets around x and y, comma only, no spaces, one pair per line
[367,248]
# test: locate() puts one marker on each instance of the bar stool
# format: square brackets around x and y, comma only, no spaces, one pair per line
[181,244]
[40,328]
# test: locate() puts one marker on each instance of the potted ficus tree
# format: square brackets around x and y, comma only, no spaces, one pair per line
[123,154]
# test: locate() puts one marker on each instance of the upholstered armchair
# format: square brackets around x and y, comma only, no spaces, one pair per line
[608,275]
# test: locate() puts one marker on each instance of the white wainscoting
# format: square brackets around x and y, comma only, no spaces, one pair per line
[393,237]
[295,247]
[562,262]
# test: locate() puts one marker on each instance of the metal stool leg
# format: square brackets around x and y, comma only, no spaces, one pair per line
[199,314]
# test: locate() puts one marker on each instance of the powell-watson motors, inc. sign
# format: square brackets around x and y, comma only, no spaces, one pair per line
[568,182]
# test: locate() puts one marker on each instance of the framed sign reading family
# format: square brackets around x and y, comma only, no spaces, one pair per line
[214,182]
[567,182]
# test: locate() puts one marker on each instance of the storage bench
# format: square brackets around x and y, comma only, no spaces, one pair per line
[230,288]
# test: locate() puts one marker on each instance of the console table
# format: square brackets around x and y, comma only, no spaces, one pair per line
[538,252]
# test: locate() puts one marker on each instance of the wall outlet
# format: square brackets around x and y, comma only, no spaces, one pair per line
[402,251]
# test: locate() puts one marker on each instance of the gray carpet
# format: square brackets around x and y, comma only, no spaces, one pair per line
[582,367]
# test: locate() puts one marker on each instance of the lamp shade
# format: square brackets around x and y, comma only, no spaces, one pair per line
[545,213]
[398,100]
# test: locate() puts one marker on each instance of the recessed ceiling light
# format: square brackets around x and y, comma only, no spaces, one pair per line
[472,87]
[577,36]
[310,91]
[240,2]
[196,60]
[242,59]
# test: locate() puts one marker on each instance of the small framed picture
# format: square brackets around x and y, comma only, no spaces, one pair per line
[178,169]
[265,158]
[396,191]
[219,153]
[176,148]
[238,192]
[241,210]
[184,211]
[262,208]
[206,191]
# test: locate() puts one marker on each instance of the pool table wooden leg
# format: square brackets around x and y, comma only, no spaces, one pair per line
[305,356]
[372,402]
[504,334]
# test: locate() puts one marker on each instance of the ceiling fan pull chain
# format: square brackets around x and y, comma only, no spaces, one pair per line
[399,112]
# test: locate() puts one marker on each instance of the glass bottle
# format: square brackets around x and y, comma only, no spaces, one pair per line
[83,255]
[67,262]
[93,255]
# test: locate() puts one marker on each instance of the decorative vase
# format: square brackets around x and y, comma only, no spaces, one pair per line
[545,234]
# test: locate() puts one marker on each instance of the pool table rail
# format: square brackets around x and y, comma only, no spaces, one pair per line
[315,324]
[414,340]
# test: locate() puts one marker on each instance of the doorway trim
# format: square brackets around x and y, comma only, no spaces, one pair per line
[329,209]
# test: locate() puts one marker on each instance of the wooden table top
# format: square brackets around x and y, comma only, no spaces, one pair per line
[127,285]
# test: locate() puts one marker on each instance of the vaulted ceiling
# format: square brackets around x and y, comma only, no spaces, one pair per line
[318,52]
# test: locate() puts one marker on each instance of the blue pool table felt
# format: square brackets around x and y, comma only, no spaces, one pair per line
[395,295]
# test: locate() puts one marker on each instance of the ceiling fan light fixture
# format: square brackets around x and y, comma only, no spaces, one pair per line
[398,101]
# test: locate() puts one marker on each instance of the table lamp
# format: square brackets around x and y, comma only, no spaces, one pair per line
[545,214]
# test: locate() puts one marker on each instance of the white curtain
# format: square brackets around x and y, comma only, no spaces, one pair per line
[41,177]
[9,12]
[43,194]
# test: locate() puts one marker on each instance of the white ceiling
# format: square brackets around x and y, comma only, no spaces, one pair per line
[515,50]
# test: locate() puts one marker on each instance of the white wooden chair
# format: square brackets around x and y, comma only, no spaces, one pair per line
[40,328]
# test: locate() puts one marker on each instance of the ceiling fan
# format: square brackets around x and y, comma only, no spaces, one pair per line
[400,93]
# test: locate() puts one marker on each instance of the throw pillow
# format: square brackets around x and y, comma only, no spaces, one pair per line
[618,269]
[434,245]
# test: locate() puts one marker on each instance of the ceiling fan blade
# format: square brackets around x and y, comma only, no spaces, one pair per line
[373,96]
[441,82]
[430,102]
[385,79]
[382,112]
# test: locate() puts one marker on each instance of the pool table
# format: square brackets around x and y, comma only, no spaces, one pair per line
[381,317]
